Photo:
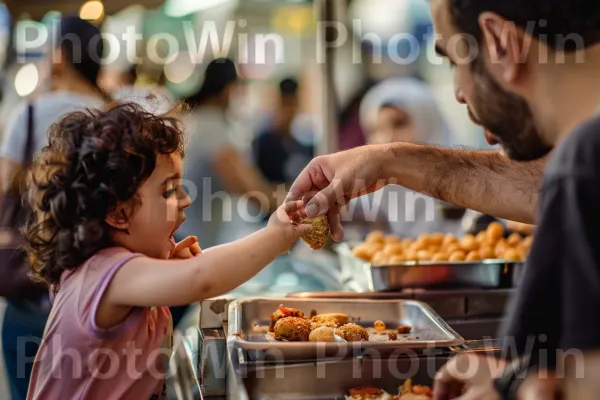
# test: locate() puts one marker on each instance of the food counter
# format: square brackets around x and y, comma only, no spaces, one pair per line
[216,371]
[228,353]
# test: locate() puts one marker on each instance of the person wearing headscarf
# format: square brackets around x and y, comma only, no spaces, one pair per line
[400,110]
[403,109]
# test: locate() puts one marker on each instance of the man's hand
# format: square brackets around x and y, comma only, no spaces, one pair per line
[536,387]
[475,373]
[329,182]
[187,248]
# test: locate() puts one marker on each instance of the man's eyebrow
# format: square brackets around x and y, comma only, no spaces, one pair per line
[440,50]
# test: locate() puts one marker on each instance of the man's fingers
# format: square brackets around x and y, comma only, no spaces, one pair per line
[335,223]
[445,384]
[535,387]
[316,176]
[321,203]
[304,183]
[447,391]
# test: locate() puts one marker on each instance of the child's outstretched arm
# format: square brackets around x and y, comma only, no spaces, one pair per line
[147,282]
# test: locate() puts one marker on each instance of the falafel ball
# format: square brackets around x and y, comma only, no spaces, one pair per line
[322,334]
[353,333]
[292,329]
[329,323]
[277,315]
[337,318]
[319,235]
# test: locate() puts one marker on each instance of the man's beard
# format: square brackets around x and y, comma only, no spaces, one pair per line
[507,116]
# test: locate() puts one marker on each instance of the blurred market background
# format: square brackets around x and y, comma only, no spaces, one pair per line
[285,67]
[293,24]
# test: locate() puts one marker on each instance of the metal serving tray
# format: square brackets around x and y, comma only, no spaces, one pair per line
[367,277]
[249,321]
[333,380]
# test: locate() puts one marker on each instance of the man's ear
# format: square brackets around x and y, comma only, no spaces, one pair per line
[119,218]
[506,44]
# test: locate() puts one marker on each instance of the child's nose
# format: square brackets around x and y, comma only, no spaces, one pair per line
[185,202]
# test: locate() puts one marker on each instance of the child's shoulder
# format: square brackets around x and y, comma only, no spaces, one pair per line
[108,257]
[103,260]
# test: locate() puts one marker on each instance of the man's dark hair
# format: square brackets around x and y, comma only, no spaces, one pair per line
[82,46]
[288,87]
[219,74]
[561,24]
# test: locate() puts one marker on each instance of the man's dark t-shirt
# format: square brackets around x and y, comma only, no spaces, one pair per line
[558,301]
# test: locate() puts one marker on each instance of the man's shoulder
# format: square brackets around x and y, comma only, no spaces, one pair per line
[579,152]
[63,101]
[586,134]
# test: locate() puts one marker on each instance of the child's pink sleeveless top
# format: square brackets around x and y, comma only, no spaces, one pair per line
[79,360]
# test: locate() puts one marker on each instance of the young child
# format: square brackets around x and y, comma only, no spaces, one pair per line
[106,197]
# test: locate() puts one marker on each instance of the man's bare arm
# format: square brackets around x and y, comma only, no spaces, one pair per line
[485,181]
[482,180]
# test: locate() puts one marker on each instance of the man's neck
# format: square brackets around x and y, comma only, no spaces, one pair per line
[569,95]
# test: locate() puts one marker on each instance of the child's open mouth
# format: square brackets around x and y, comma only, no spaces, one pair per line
[172,237]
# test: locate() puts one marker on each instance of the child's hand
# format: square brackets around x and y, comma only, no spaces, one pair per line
[287,221]
[187,248]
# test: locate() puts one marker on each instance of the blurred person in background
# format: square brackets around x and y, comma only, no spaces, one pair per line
[154,98]
[280,157]
[400,110]
[219,169]
[215,164]
[350,131]
[73,86]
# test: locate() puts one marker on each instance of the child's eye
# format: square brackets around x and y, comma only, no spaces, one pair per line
[170,193]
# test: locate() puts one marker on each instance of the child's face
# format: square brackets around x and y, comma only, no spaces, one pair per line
[161,212]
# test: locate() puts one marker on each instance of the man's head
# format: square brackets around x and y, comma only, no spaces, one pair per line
[79,52]
[496,48]
[288,103]
[220,79]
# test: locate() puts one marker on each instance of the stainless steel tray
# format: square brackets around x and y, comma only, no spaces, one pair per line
[249,319]
[448,304]
[333,380]
[365,277]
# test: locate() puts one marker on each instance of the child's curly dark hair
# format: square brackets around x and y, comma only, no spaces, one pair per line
[95,160]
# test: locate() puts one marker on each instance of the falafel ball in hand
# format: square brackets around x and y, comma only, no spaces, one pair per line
[319,235]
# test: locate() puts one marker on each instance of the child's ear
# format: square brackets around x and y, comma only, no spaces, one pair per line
[118,218]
